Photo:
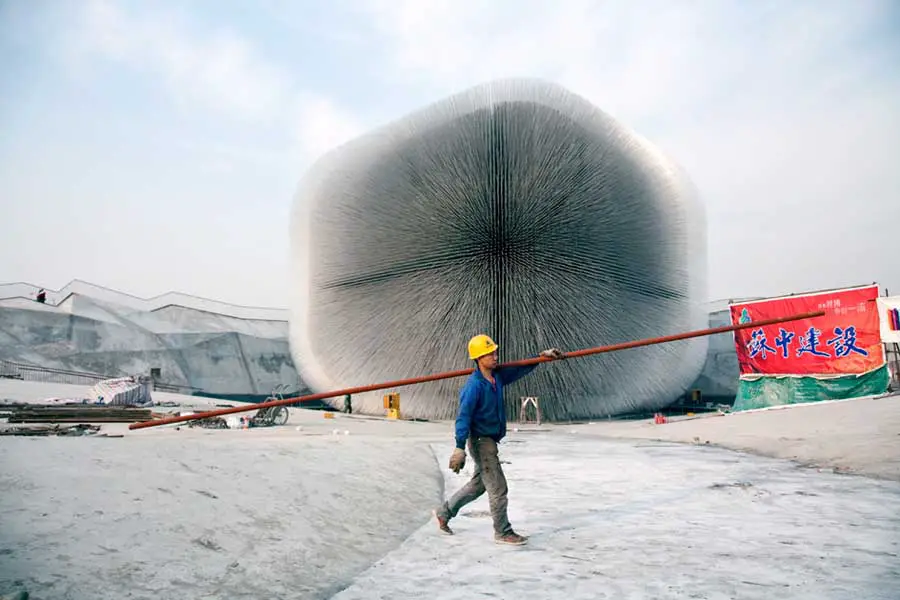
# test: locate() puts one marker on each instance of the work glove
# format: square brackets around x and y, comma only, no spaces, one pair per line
[457,460]
[553,353]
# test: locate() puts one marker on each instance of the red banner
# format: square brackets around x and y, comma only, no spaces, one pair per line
[846,340]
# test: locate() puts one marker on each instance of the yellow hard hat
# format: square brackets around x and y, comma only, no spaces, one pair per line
[481,345]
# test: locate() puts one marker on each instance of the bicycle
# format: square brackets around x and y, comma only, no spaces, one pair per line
[272,415]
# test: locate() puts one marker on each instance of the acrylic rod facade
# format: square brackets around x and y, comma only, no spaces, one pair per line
[515,209]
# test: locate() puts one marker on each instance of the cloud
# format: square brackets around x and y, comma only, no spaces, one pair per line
[632,57]
[784,114]
[322,125]
[218,70]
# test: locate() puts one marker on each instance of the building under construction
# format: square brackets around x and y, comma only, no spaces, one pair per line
[516,209]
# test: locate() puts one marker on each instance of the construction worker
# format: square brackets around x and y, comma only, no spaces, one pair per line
[481,422]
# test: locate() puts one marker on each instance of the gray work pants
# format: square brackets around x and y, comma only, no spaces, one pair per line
[488,477]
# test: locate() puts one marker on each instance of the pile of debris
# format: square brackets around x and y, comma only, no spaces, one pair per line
[47,430]
[209,423]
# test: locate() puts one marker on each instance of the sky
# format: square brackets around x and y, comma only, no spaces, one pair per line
[157,146]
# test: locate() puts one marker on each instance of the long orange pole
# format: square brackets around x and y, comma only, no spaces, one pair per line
[464,372]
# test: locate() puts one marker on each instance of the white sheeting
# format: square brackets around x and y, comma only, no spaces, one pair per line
[120,391]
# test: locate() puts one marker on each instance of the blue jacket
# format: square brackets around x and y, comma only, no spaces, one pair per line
[481,408]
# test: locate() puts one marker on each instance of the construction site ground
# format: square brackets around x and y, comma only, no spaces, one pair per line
[341,507]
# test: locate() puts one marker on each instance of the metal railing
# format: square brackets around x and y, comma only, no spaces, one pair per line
[892,357]
[93,291]
[26,372]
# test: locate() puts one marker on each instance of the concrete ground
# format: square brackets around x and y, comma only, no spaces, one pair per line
[193,513]
[341,508]
[625,519]
[859,436]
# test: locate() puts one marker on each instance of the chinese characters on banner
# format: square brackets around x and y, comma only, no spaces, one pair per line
[847,340]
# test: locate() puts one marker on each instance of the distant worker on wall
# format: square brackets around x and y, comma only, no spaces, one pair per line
[481,422]
[348,404]
[42,296]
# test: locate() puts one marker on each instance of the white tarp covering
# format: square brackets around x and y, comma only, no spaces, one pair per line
[889,315]
[124,390]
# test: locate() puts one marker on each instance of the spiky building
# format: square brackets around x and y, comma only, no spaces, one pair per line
[517,209]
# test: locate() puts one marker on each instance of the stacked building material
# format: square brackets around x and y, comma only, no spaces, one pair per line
[87,413]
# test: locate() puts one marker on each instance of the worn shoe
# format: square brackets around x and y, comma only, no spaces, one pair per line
[442,523]
[512,538]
